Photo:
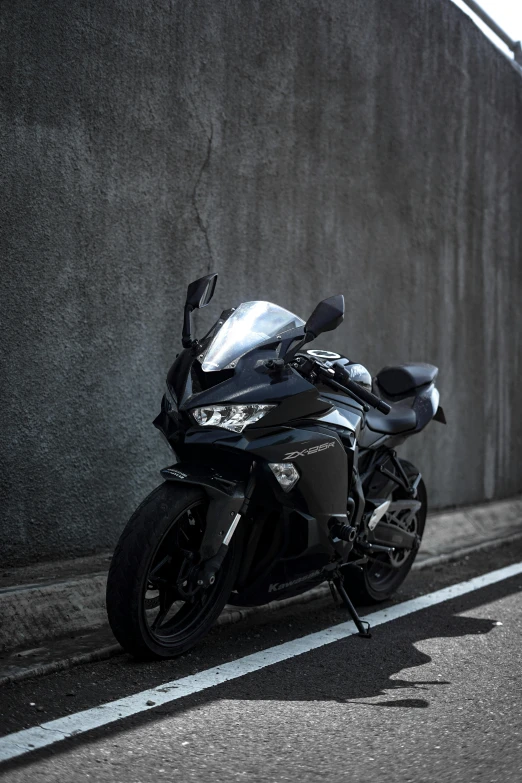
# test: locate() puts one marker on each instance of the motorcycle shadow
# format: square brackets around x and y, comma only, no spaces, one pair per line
[347,673]
[355,670]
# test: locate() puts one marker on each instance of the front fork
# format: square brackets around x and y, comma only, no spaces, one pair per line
[207,575]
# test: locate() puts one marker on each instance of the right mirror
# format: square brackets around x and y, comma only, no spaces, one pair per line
[327,316]
[199,294]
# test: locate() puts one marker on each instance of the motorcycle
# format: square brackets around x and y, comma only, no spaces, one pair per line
[286,476]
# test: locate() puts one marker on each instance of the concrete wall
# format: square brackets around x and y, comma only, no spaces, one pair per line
[299,149]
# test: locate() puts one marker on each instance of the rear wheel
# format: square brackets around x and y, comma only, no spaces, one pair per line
[155,607]
[381,577]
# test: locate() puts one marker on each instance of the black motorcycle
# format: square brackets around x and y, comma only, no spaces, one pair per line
[286,476]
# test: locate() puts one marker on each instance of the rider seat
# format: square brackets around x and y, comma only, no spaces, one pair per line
[404,379]
[398,385]
[401,418]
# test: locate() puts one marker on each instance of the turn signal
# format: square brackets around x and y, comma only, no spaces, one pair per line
[286,474]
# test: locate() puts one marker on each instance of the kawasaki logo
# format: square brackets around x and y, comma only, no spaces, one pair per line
[282,585]
[311,450]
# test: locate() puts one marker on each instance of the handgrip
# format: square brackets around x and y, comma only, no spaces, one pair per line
[356,388]
[383,407]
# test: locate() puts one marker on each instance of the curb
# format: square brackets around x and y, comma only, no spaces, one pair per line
[448,557]
[233,616]
[36,613]
[101,654]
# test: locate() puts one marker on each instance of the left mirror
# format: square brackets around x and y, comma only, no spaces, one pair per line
[200,292]
[327,316]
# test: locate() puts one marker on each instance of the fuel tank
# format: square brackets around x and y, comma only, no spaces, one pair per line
[346,416]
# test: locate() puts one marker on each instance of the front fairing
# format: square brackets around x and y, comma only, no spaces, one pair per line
[249,382]
[273,437]
[188,387]
[316,451]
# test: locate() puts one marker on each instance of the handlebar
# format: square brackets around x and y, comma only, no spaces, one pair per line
[342,378]
[368,397]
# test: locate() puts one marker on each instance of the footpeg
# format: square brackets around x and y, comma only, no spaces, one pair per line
[344,532]
[365,546]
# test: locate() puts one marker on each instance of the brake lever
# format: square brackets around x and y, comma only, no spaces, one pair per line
[326,374]
[368,397]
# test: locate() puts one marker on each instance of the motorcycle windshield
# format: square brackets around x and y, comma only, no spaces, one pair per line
[250,325]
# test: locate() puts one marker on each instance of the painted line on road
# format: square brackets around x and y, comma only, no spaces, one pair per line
[46,734]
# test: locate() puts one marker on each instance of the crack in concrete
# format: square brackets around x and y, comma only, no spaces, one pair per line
[199,220]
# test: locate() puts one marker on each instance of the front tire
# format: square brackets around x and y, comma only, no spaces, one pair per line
[148,615]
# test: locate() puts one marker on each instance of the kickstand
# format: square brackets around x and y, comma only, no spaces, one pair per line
[335,595]
[363,632]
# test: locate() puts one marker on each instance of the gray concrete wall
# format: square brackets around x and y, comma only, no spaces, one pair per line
[300,150]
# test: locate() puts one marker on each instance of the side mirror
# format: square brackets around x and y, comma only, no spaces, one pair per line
[327,316]
[199,294]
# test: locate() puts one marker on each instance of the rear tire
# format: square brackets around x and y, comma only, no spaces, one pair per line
[377,581]
[172,512]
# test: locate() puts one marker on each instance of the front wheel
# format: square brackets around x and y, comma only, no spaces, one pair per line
[382,576]
[154,605]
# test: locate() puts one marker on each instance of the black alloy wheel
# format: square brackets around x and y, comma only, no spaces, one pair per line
[155,605]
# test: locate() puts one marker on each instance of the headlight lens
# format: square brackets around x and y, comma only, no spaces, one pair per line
[231,417]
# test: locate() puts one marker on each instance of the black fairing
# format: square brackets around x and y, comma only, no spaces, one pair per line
[250,382]
[287,536]
[292,431]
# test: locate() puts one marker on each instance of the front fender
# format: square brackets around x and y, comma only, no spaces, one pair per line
[225,495]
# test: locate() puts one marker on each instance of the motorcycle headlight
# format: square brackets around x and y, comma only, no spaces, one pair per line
[231,417]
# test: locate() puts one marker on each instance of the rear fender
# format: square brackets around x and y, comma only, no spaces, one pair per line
[225,497]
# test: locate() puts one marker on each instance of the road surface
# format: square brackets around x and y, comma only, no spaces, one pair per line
[435,695]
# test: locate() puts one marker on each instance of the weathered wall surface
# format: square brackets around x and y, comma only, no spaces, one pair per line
[300,150]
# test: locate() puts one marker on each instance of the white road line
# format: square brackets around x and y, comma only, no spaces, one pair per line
[25,741]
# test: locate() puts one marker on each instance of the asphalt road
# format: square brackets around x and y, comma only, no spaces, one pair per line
[434,696]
